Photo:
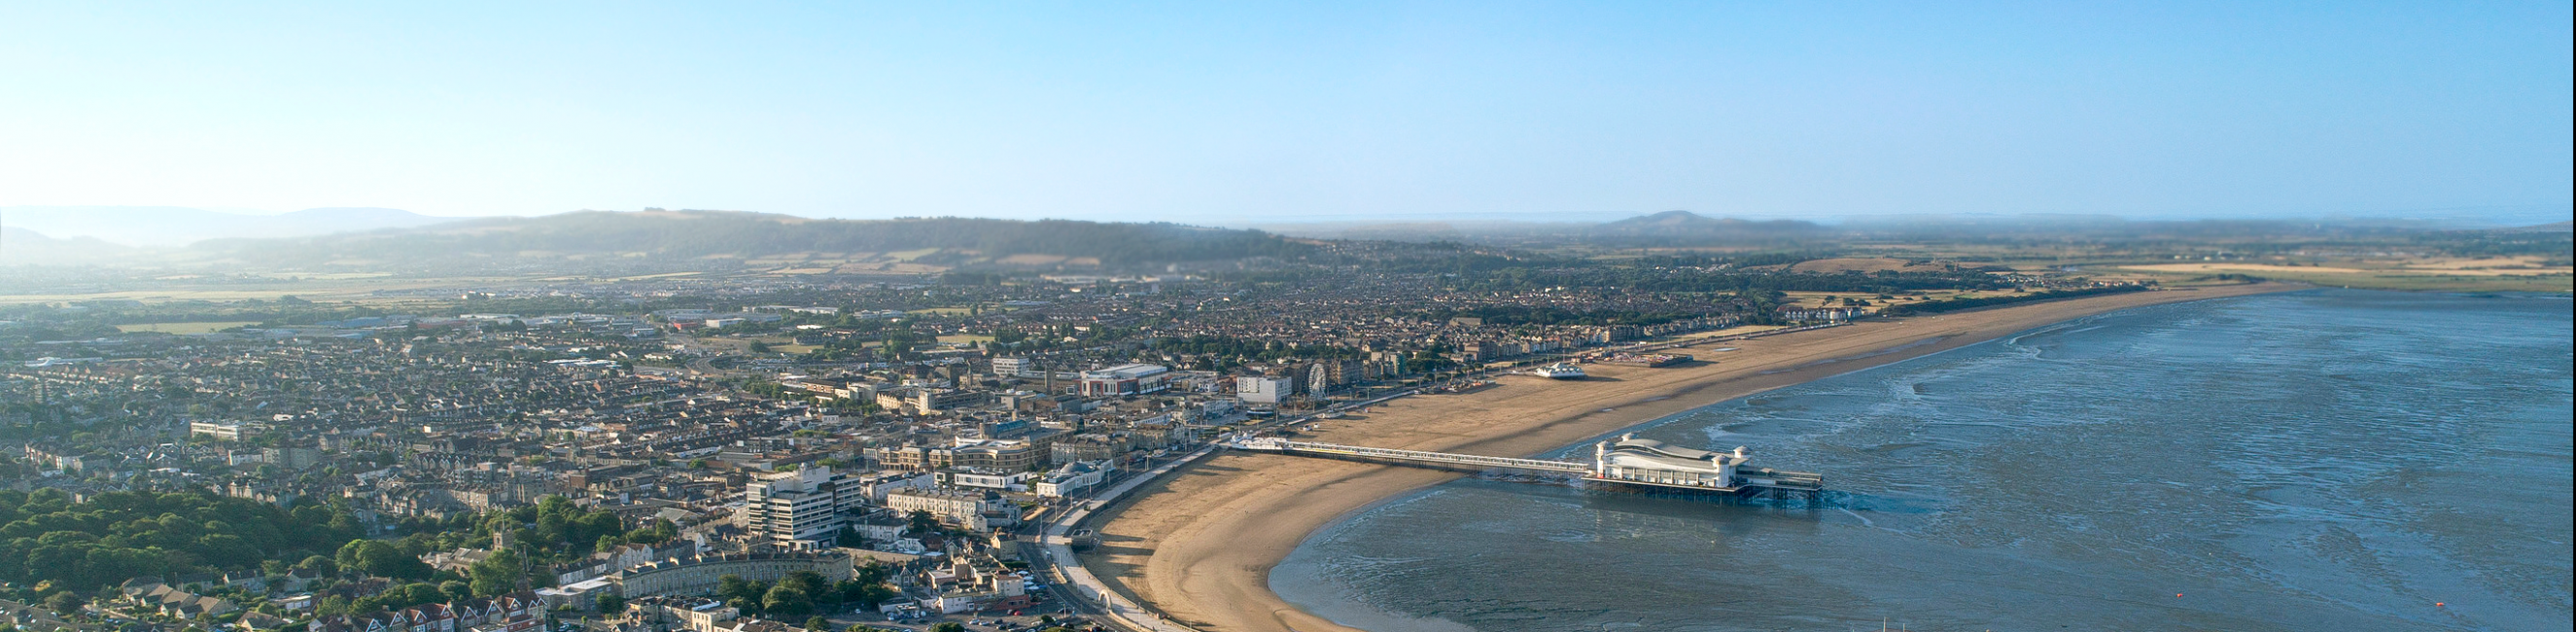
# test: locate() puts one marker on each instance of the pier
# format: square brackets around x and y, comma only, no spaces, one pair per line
[1443,460]
[1627,461]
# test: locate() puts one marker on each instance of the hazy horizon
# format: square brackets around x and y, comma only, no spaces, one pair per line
[115,224]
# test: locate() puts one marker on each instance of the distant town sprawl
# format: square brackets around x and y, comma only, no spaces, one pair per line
[741,450]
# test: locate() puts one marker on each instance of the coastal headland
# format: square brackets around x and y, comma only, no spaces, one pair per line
[1199,544]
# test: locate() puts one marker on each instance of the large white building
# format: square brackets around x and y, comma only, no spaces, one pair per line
[1651,462]
[1008,481]
[877,485]
[1125,379]
[1016,367]
[222,431]
[975,509]
[1263,390]
[1071,479]
[803,505]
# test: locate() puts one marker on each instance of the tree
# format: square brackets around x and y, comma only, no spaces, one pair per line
[786,601]
[382,559]
[950,626]
[873,572]
[661,530]
[64,603]
[817,623]
[739,593]
[612,604]
[409,595]
[865,592]
[44,537]
[808,582]
[923,522]
[319,563]
[498,574]
[343,522]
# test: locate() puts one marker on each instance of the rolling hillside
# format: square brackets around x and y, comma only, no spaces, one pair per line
[162,226]
[717,235]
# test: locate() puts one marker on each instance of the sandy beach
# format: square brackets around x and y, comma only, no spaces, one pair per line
[1200,544]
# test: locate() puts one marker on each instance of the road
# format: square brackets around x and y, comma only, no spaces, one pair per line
[1066,570]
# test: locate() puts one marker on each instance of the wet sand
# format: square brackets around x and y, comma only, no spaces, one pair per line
[1199,545]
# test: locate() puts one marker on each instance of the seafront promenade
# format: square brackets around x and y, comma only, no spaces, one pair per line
[1058,543]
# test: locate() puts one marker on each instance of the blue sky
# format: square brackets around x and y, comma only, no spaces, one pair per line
[1242,113]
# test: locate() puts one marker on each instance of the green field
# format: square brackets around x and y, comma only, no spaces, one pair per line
[184,328]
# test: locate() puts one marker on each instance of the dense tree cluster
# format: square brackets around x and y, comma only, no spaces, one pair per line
[48,541]
[50,544]
[804,592]
[554,530]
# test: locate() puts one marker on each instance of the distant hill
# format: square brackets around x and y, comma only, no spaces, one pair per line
[670,235]
[1687,227]
[1669,227]
[22,246]
[2557,227]
[324,221]
[179,226]
[1686,222]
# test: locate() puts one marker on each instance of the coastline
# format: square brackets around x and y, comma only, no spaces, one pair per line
[1199,545]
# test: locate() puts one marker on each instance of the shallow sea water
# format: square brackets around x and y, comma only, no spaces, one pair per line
[2319,460]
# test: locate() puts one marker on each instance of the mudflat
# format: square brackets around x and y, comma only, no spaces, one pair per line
[1199,544]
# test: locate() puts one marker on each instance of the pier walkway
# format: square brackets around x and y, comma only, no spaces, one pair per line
[1698,470]
[1409,457]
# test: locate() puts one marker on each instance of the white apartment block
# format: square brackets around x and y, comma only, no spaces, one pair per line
[805,504]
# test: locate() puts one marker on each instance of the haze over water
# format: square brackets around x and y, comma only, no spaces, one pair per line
[2319,460]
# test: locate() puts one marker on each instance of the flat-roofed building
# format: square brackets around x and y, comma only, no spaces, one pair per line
[975,509]
[1071,479]
[221,431]
[1011,481]
[1016,367]
[806,504]
[931,400]
[1263,390]
[1125,379]
[997,454]
[877,485]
